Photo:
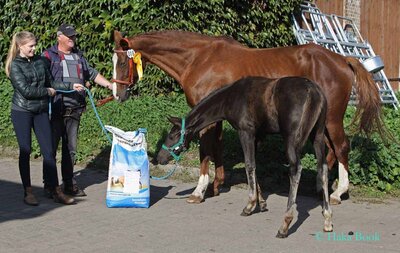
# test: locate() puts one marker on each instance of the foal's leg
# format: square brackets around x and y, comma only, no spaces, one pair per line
[342,148]
[247,141]
[322,168]
[330,159]
[217,154]
[294,176]
[261,201]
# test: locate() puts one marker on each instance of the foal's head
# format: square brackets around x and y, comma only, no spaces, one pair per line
[175,143]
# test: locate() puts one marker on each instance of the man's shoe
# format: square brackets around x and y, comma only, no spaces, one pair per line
[29,198]
[60,197]
[74,190]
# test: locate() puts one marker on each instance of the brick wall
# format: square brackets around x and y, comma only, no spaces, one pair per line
[352,10]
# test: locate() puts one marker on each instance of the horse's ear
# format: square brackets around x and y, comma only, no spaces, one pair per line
[176,121]
[124,43]
[117,36]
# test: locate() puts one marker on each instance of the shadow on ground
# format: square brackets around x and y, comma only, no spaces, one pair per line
[272,174]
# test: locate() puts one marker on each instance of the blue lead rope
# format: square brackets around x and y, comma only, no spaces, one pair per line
[94,109]
[104,129]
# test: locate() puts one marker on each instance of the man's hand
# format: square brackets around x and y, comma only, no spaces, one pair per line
[78,87]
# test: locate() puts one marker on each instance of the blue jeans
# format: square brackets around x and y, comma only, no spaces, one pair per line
[23,123]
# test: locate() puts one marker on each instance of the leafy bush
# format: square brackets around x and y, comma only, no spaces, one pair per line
[374,163]
[255,23]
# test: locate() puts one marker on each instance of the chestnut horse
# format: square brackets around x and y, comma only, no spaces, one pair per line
[202,63]
[256,106]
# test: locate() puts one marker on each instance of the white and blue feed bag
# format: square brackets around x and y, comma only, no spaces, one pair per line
[128,176]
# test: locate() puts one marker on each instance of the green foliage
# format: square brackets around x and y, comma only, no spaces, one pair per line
[371,161]
[6,128]
[254,23]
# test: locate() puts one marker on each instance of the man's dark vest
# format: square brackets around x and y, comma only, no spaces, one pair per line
[56,68]
[55,59]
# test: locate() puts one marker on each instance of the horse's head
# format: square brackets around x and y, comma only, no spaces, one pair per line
[175,143]
[127,67]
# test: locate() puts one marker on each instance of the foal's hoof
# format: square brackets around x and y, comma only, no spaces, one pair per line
[328,228]
[281,235]
[194,199]
[263,207]
[334,201]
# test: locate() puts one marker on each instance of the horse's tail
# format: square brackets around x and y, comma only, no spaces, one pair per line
[368,113]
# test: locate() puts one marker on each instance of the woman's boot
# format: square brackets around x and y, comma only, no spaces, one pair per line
[60,197]
[29,198]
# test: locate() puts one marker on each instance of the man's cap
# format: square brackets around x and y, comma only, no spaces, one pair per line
[67,30]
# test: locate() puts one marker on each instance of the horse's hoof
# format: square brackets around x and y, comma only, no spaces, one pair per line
[334,201]
[245,213]
[194,200]
[281,235]
[328,228]
[263,207]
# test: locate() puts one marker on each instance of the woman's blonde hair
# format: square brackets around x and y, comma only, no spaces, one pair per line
[19,39]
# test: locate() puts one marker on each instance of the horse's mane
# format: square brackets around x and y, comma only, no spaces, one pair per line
[187,35]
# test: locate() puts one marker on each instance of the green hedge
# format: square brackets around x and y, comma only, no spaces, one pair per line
[252,22]
[372,162]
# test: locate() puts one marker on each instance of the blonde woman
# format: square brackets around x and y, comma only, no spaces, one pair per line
[33,85]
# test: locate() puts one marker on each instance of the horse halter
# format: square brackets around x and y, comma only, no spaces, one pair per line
[134,58]
[179,145]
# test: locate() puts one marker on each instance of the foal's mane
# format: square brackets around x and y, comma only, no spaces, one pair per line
[210,97]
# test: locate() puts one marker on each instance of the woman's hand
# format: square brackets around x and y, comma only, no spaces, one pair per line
[52,92]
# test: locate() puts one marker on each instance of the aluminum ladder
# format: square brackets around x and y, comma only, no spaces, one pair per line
[311,25]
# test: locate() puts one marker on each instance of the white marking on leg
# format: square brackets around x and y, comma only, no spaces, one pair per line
[201,186]
[115,59]
[343,184]
[343,177]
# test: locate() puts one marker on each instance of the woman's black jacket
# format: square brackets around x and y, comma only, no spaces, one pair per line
[30,78]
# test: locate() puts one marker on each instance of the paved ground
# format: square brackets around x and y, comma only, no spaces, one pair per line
[172,225]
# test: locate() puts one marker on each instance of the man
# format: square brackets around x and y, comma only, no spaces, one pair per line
[68,64]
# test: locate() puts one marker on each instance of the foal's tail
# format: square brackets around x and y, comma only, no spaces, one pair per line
[369,112]
[314,114]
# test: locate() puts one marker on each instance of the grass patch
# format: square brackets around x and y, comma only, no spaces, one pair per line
[362,193]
